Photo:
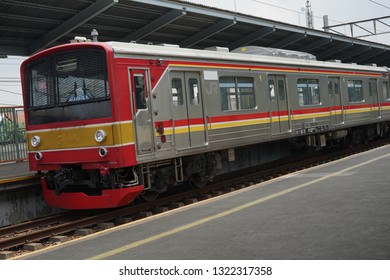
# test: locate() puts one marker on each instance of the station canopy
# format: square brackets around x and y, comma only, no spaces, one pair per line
[28,26]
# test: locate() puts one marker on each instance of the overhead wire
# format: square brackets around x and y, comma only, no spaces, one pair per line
[380,4]
[291,10]
[318,17]
[276,6]
[11,92]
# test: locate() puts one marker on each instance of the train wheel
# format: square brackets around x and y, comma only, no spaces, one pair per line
[347,143]
[199,180]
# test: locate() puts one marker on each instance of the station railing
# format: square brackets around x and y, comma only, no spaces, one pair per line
[13,146]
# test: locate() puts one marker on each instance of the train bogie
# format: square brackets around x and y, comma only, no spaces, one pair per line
[153,117]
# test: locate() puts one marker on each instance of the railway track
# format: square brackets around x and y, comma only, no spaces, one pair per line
[14,237]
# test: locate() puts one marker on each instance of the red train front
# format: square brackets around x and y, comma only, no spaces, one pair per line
[75,117]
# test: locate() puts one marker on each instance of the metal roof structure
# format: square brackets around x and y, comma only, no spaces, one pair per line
[29,26]
[361,26]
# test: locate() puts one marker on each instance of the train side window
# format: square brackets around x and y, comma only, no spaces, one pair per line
[237,93]
[334,87]
[385,89]
[355,91]
[177,92]
[227,87]
[373,87]
[193,91]
[330,88]
[246,91]
[140,91]
[308,92]
[271,87]
[337,87]
[282,90]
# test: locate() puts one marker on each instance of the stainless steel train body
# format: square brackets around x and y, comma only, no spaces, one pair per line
[170,115]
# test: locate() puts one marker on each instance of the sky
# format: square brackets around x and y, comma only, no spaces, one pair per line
[288,11]
[293,11]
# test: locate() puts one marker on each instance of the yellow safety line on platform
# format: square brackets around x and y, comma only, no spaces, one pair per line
[226,213]
[13,180]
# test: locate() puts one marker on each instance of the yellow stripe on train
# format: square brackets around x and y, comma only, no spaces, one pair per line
[82,136]
[121,133]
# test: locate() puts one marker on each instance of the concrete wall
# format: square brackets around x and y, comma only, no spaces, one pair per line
[23,204]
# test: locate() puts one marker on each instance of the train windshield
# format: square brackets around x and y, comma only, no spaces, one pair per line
[67,86]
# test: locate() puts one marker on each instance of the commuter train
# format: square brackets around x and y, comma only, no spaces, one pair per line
[110,122]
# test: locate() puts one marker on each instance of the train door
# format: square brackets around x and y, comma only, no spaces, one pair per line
[336,102]
[279,111]
[187,110]
[385,88]
[374,98]
[142,111]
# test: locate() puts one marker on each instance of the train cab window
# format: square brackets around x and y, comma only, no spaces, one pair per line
[385,89]
[308,92]
[237,93]
[41,90]
[177,92]
[193,91]
[355,91]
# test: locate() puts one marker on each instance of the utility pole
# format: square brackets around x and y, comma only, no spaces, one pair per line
[309,15]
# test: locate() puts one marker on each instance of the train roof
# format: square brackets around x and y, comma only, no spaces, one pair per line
[223,55]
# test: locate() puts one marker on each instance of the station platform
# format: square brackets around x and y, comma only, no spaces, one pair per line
[336,211]
[14,171]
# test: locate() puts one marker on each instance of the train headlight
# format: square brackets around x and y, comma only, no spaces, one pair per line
[100,136]
[35,141]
